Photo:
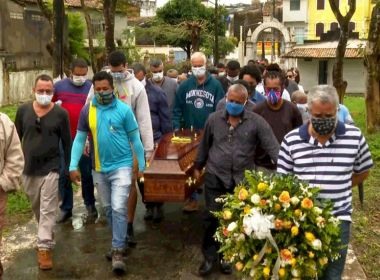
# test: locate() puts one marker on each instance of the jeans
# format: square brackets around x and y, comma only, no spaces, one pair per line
[85,168]
[113,188]
[64,185]
[335,269]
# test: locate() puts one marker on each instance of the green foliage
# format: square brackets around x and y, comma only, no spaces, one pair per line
[76,35]
[18,203]
[132,53]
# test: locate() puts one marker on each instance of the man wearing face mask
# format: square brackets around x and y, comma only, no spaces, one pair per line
[330,155]
[232,74]
[168,85]
[195,100]
[72,94]
[226,150]
[41,126]
[282,115]
[115,134]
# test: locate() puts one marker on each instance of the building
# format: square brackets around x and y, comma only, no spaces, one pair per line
[315,62]
[295,18]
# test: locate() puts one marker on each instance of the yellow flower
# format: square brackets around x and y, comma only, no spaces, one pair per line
[323,261]
[294,230]
[255,257]
[287,224]
[266,272]
[243,194]
[281,272]
[293,262]
[307,203]
[286,255]
[227,215]
[277,207]
[247,209]
[309,236]
[239,266]
[297,213]
[261,187]
[311,254]
[284,197]
[278,224]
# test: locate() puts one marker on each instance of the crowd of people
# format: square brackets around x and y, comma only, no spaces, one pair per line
[101,133]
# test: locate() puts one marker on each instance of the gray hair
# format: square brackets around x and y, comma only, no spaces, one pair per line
[199,55]
[156,62]
[238,88]
[324,94]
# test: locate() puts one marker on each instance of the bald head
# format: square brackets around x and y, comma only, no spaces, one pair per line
[198,57]
[237,93]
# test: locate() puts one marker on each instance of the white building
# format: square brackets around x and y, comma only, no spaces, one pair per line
[148,8]
[295,18]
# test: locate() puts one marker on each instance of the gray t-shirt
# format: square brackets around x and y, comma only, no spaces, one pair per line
[169,86]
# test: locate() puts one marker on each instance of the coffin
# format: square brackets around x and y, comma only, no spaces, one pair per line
[168,177]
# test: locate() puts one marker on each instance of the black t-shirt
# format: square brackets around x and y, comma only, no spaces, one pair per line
[40,139]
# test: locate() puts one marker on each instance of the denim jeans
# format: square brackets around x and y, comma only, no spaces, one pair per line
[113,188]
[335,269]
[85,168]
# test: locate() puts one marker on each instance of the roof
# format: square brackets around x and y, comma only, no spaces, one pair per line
[96,4]
[327,50]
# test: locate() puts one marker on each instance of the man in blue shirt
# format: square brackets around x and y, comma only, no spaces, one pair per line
[114,129]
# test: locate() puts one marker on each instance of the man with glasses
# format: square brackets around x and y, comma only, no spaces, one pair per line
[227,149]
[41,126]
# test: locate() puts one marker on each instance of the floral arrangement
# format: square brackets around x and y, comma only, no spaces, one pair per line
[274,227]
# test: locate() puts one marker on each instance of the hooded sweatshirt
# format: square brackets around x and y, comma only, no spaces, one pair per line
[132,92]
[195,102]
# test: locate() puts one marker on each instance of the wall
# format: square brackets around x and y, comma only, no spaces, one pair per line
[361,17]
[294,16]
[354,73]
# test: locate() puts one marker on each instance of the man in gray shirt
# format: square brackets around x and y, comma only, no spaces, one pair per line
[168,85]
[228,149]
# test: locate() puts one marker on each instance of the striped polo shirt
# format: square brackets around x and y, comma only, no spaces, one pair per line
[329,166]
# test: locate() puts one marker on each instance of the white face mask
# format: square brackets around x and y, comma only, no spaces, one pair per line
[232,79]
[43,99]
[158,76]
[220,74]
[198,71]
[79,80]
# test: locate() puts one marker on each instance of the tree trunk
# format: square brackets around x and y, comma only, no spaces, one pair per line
[109,7]
[58,38]
[90,37]
[372,62]
[337,73]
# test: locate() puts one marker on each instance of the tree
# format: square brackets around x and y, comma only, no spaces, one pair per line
[344,21]
[90,35]
[109,9]
[372,62]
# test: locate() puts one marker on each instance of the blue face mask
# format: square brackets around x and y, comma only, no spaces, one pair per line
[234,109]
[119,76]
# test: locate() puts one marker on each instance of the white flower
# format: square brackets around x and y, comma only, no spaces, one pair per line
[295,272]
[232,226]
[320,222]
[317,210]
[294,200]
[316,244]
[255,199]
[252,272]
[241,256]
[219,199]
[274,198]
[241,237]
[258,224]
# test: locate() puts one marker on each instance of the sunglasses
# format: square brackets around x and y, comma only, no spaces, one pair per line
[38,125]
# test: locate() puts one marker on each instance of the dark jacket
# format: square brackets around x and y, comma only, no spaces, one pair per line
[159,110]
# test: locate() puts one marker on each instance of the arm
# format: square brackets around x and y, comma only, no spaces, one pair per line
[267,139]
[134,138]
[18,124]
[144,121]
[164,115]
[358,178]
[285,163]
[13,157]
[363,163]
[77,148]
[204,146]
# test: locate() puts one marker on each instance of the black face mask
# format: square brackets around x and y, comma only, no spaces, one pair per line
[323,126]
[104,98]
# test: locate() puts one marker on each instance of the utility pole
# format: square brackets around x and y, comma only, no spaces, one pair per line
[216,46]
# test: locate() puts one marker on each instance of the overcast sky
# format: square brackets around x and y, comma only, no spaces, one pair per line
[160,3]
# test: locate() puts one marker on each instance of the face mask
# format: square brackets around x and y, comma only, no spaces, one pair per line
[221,74]
[232,79]
[273,96]
[78,80]
[119,76]
[43,99]
[198,71]
[323,126]
[104,98]
[234,109]
[158,76]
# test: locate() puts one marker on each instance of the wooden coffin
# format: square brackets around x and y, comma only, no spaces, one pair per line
[169,175]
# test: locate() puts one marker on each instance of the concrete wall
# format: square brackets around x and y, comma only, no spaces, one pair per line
[294,16]
[354,73]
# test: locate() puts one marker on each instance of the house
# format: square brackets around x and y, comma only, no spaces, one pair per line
[315,62]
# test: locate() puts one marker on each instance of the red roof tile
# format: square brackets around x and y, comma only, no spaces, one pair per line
[322,53]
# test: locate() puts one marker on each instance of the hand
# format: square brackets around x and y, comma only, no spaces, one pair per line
[75,177]
[140,177]
[197,174]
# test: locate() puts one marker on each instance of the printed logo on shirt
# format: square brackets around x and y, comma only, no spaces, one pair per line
[198,103]
[201,94]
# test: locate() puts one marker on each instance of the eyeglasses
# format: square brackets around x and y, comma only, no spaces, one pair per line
[289,77]
[38,125]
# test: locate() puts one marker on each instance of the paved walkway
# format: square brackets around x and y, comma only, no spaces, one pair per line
[171,251]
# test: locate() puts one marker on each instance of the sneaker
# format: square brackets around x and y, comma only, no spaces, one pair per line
[108,255]
[118,265]
[63,216]
[131,236]
[158,214]
[92,213]
[45,261]
[190,206]
[148,214]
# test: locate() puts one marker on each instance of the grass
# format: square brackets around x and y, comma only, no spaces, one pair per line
[366,221]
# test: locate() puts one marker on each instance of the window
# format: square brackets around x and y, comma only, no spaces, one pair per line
[14,15]
[319,29]
[334,26]
[295,5]
[97,26]
[37,18]
[299,35]
[320,4]
[351,26]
